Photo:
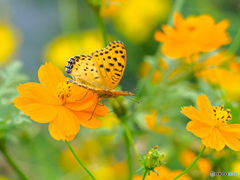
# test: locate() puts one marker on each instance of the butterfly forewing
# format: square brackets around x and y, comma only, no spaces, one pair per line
[103,70]
[111,62]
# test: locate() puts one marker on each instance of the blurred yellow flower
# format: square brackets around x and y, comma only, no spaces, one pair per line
[8,41]
[164,174]
[109,121]
[210,124]
[88,152]
[145,67]
[192,35]
[136,19]
[110,8]
[61,48]
[214,68]
[118,170]
[187,157]
[155,126]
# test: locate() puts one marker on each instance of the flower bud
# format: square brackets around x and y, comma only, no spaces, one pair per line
[154,158]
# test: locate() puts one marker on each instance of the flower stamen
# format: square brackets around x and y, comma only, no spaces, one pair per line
[221,116]
[64,90]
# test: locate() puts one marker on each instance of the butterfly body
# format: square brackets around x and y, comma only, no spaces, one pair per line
[101,72]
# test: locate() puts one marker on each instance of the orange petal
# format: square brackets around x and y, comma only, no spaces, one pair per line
[233,128]
[84,120]
[230,140]
[159,36]
[215,140]
[178,19]
[79,93]
[199,129]
[65,126]
[41,113]
[100,110]
[205,108]
[50,76]
[223,25]
[36,92]
[193,114]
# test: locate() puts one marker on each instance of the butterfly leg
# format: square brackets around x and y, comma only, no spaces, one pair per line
[83,96]
[94,109]
[101,102]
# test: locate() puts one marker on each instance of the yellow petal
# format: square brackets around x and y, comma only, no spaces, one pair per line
[199,129]
[215,140]
[84,120]
[65,126]
[193,114]
[41,113]
[231,141]
[205,108]
[50,76]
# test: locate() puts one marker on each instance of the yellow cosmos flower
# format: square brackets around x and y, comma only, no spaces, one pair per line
[164,174]
[136,19]
[8,38]
[210,123]
[155,126]
[55,101]
[214,69]
[192,35]
[61,48]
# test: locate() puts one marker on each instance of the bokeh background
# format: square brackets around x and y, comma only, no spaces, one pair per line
[35,32]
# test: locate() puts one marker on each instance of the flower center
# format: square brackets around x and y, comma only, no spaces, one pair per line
[221,116]
[64,90]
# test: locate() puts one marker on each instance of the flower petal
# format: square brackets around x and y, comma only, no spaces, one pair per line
[233,128]
[36,92]
[50,76]
[65,126]
[84,120]
[193,114]
[100,110]
[230,140]
[41,113]
[205,108]
[199,129]
[215,140]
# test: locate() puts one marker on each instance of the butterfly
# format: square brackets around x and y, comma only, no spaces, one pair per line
[101,72]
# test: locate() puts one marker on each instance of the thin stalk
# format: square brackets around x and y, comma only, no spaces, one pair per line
[194,162]
[144,175]
[71,149]
[130,140]
[68,15]
[101,25]
[13,165]
[129,158]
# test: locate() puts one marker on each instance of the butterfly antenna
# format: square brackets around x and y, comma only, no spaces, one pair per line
[132,100]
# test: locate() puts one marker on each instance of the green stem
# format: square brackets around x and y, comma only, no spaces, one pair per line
[68,15]
[194,162]
[235,44]
[101,25]
[71,149]
[130,140]
[129,158]
[13,164]
[144,175]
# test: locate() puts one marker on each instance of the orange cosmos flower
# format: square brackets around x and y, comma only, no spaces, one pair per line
[55,101]
[192,35]
[210,124]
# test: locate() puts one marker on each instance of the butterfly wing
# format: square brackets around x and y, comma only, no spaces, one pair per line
[103,70]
